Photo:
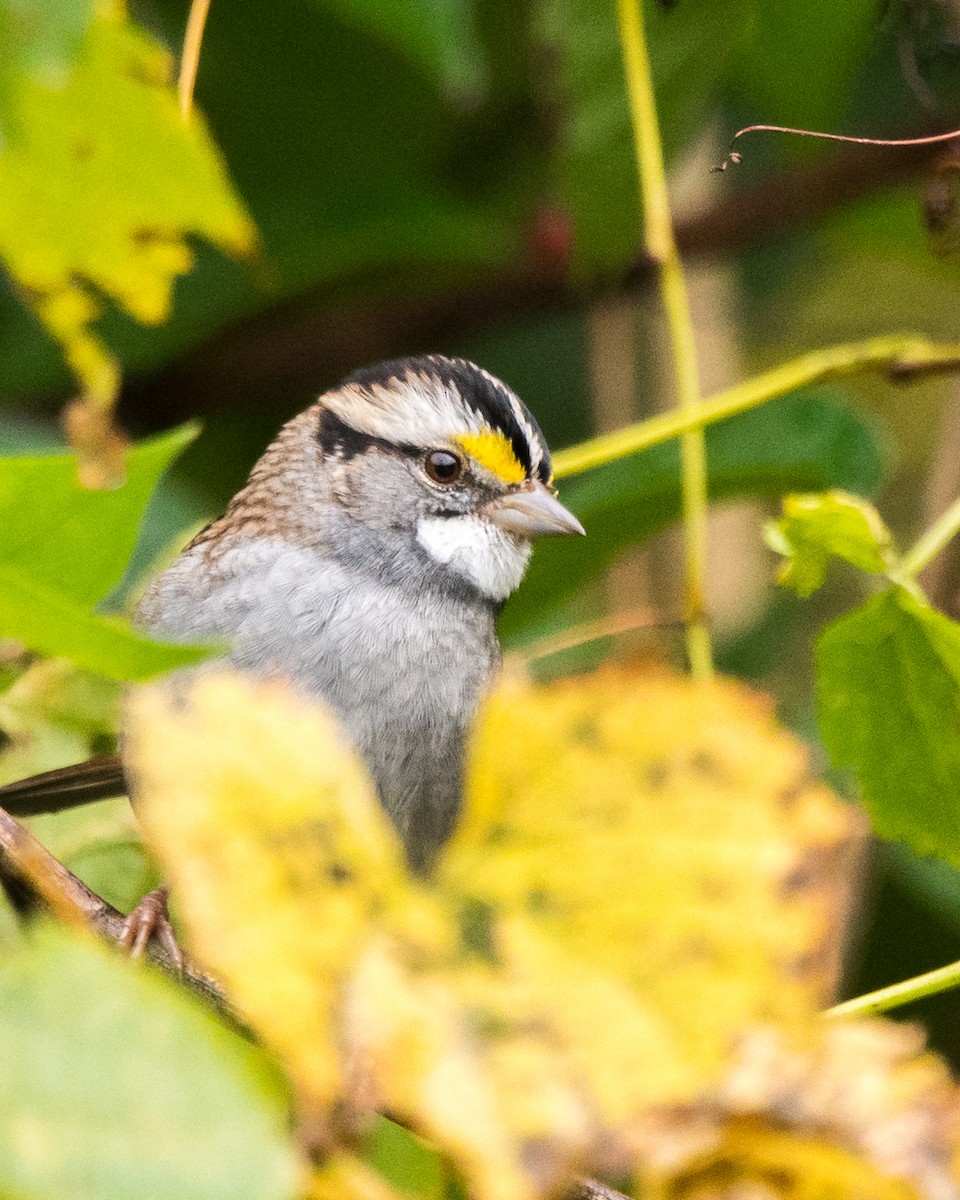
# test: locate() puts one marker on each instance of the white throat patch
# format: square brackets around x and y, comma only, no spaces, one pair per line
[489,558]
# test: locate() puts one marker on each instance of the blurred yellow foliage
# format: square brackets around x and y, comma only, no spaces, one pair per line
[133,183]
[616,966]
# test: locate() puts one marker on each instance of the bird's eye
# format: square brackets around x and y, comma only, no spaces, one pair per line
[442,466]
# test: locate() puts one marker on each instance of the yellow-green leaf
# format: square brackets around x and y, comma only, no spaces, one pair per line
[101,183]
[276,847]
[815,528]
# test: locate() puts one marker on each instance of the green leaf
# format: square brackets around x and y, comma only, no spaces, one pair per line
[438,36]
[133,180]
[888,689]
[805,440]
[101,844]
[117,1086]
[63,547]
[73,539]
[815,528]
[56,626]
[404,1160]
[929,881]
[51,715]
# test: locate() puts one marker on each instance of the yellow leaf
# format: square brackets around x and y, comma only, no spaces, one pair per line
[616,967]
[850,1110]
[276,847]
[669,835]
[101,184]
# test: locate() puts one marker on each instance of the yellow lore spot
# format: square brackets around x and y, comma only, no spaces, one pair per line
[492,450]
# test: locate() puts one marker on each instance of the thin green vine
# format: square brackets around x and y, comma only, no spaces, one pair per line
[661,245]
[932,541]
[902,353]
[898,994]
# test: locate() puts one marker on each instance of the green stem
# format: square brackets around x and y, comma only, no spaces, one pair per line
[929,544]
[929,984]
[902,352]
[661,246]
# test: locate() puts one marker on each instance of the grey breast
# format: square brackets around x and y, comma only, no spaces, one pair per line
[404,672]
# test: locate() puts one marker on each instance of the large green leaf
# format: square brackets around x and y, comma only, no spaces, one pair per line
[888,688]
[805,440]
[72,539]
[56,626]
[63,547]
[117,1086]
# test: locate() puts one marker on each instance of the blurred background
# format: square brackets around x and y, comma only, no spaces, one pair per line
[457,176]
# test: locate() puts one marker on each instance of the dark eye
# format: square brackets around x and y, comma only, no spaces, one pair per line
[442,466]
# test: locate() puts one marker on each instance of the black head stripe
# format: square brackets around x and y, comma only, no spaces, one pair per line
[341,440]
[493,401]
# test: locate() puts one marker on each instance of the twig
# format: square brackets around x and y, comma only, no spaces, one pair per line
[734,158]
[190,59]
[939,579]
[932,541]
[661,246]
[593,631]
[58,891]
[297,346]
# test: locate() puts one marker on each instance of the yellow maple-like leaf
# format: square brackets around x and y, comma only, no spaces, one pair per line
[616,966]
[101,185]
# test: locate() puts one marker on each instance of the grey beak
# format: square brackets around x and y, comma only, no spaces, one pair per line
[531,511]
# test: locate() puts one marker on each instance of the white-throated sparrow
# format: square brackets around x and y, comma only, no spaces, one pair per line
[367,558]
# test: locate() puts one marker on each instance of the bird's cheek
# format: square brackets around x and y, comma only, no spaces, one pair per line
[492,560]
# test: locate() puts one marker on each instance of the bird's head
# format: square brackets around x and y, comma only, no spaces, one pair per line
[438,451]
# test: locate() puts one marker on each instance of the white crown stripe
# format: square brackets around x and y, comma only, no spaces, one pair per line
[423,412]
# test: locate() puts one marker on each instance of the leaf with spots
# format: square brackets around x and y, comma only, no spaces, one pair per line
[666,838]
[133,183]
[623,948]
[276,848]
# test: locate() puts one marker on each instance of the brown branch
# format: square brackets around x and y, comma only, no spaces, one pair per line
[593,1189]
[54,889]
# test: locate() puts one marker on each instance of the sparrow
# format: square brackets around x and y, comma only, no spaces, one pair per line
[367,559]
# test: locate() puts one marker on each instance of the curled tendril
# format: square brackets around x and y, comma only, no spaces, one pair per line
[734,157]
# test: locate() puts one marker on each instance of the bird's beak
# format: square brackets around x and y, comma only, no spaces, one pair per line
[530,511]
